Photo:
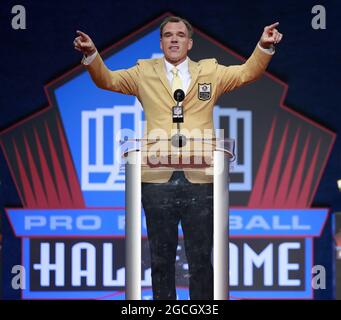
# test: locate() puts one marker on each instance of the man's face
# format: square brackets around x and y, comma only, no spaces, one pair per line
[175,42]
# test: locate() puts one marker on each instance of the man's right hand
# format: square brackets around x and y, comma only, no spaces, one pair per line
[84,44]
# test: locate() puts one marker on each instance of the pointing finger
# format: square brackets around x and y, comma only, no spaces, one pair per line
[83,35]
[273,26]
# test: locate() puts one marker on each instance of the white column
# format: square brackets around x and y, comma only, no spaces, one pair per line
[133,226]
[220,227]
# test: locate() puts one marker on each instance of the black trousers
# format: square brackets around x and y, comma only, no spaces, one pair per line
[165,205]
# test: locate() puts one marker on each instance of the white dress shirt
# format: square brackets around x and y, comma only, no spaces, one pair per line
[183,73]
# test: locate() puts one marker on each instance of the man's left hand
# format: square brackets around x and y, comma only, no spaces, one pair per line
[270,36]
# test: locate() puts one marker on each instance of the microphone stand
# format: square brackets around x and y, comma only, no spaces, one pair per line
[178,140]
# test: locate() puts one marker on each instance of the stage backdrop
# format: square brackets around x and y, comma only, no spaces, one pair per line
[63,161]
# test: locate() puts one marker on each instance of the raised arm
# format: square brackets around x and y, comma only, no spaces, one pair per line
[123,81]
[232,77]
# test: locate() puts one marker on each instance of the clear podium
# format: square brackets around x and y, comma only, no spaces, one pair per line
[211,157]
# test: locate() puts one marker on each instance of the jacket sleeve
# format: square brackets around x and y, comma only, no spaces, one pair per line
[232,77]
[123,81]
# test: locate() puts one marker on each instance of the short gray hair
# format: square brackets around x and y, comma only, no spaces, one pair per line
[176,19]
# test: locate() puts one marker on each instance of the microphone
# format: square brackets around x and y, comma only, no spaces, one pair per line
[178,140]
[179,95]
[178,111]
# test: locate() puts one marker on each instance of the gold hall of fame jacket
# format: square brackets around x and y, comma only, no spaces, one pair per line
[148,82]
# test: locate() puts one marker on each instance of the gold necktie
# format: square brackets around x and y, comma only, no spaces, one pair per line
[176,82]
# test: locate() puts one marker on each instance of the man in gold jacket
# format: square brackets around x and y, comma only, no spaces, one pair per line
[171,196]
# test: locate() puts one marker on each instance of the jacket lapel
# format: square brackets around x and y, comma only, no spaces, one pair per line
[161,72]
[194,71]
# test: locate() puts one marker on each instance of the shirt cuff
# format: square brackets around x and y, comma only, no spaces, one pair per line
[88,59]
[271,50]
